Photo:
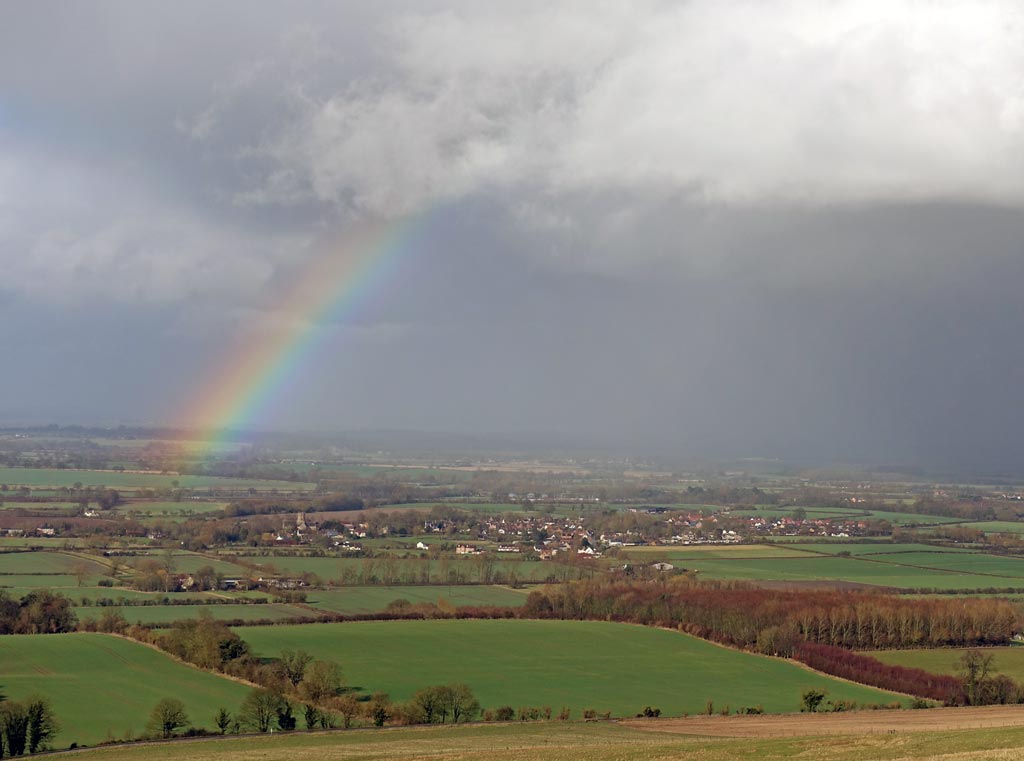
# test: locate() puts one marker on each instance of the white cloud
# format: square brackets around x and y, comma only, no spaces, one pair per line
[734,102]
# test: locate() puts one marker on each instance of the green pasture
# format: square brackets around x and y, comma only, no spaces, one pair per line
[811,513]
[172,509]
[910,519]
[912,569]
[373,599]
[577,741]
[410,570]
[684,553]
[961,562]
[58,477]
[49,542]
[62,507]
[104,687]
[579,664]
[943,660]
[47,562]
[876,548]
[996,527]
[189,562]
[166,614]
[476,507]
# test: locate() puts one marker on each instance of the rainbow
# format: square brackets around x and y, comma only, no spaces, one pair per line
[274,346]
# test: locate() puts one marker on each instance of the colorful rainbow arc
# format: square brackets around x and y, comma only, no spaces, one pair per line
[256,371]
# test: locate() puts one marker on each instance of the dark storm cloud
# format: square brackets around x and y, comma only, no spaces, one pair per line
[726,228]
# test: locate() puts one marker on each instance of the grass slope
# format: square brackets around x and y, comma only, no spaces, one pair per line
[103,686]
[577,742]
[579,664]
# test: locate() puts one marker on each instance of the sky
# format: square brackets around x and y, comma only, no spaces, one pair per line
[722,228]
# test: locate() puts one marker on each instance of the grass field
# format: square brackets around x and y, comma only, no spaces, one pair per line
[606,666]
[165,614]
[103,686]
[47,562]
[355,600]
[875,548]
[943,660]
[683,553]
[171,509]
[808,739]
[407,570]
[906,566]
[997,527]
[57,477]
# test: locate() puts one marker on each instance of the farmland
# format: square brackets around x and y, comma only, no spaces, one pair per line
[166,614]
[978,735]
[372,599]
[103,686]
[906,566]
[1006,660]
[606,666]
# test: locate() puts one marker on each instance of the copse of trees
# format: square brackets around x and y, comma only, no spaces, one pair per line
[26,726]
[38,612]
[204,641]
[442,703]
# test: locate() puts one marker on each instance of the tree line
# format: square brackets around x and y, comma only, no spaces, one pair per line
[773,621]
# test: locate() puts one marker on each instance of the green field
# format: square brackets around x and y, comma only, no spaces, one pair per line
[47,562]
[408,570]
[557,741]
[683,553]
[579,664]
[996,527]
[875,548]
[190,562]
[1007,660]
[355,600]
[902,566]
[104,687]
[39,506]
[172,509]
[57,477]
[165,614]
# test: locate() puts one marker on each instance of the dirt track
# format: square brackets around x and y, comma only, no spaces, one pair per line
[854,723]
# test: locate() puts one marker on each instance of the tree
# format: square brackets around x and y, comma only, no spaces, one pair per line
[426,704]
[322,680]
[461,702]
[811,700]
[112,621]
[293,665]
[167,716]
[311,716]
[380,708]
[14,722]
[222,719]
[42,724]
[974,667]
[348,707]
[285,716]
[259,709]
